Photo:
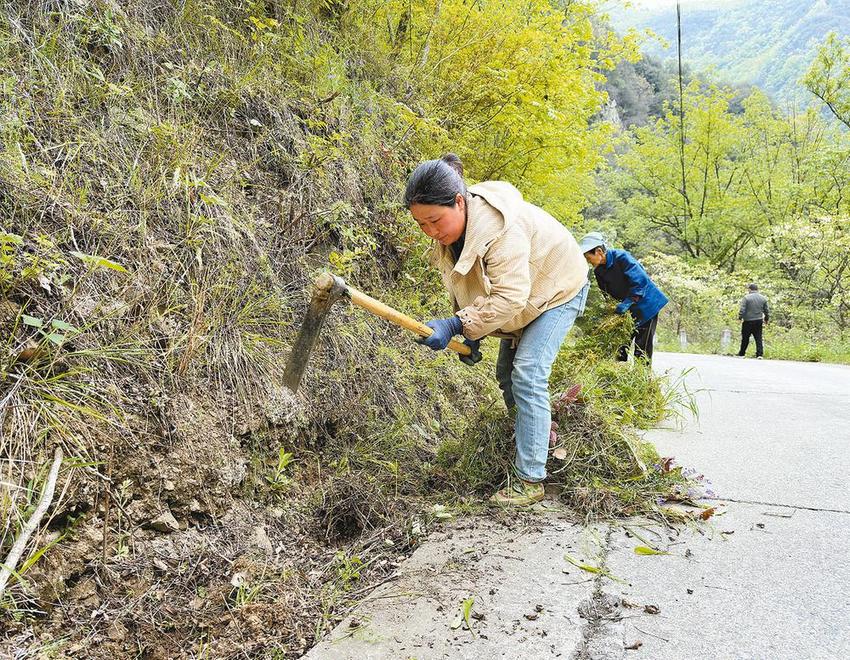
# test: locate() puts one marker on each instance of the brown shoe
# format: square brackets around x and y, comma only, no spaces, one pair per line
[519,493]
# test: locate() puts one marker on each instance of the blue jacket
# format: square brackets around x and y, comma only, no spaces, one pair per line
[624,279]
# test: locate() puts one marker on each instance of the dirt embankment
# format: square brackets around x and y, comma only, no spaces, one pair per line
[163,212]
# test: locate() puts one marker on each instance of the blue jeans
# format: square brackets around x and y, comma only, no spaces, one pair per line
[523,375]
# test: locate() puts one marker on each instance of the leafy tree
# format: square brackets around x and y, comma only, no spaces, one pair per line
[828,78]
[510,87]
[743,174]
[688,188]
[814,257]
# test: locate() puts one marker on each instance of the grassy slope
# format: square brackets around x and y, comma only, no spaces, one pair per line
[186,147]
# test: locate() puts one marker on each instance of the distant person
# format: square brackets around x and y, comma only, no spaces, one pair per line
[620,276]
[754,314]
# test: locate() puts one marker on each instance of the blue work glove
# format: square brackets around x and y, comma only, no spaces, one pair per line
[623,307]
[476,356]
[444,330]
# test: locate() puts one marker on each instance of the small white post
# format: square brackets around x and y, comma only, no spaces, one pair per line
[725,339]
[683,339]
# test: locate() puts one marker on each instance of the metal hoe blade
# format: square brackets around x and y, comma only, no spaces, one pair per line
[328,290]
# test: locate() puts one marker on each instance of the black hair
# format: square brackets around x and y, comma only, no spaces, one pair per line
[437,182]
[753,287]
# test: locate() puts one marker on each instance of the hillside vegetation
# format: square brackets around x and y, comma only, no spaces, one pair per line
[740,188]
[745,196]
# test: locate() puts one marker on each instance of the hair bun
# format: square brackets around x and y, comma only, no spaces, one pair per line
[453,161]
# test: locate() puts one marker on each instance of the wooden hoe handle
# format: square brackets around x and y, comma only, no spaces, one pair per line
[326,282]
[394,316]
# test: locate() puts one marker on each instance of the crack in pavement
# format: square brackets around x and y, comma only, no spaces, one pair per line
[602,635]
[771,392]
[785,506]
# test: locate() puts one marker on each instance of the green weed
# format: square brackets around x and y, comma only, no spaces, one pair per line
[280,477]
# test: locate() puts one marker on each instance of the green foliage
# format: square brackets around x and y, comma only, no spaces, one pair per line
[762,199]
[703,299]
[814,261]
[55,332]
[347,569]
[279,477]
[743,174]
[601,332]
[828,77]
[508,86]
[480,460]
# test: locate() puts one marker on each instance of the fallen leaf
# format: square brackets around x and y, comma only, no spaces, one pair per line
[584,567]
[707,513]
[592,569]
[531,617]
[651,609]
[464,615]
[634,646]
[666,464]
[560,453]
[643,550]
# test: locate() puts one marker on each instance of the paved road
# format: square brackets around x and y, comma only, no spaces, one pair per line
[774,437]
[768,578]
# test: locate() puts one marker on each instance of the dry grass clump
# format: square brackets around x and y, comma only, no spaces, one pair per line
[599,464]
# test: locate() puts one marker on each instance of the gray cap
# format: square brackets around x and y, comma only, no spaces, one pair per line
[591,241]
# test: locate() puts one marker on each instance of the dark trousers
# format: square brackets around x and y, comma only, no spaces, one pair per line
[753,328]
[642,337]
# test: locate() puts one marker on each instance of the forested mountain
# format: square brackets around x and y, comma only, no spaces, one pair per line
[769,43]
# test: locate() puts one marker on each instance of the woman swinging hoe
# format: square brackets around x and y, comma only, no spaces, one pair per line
[512,271]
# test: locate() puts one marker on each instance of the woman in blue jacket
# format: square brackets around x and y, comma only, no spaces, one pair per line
[620,275]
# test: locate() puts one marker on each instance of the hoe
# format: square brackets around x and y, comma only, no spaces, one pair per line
[328,289]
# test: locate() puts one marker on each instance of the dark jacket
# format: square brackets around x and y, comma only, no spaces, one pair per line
[624,279]
[754,307]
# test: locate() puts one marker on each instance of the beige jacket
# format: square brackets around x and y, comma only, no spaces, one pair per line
[517,262]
